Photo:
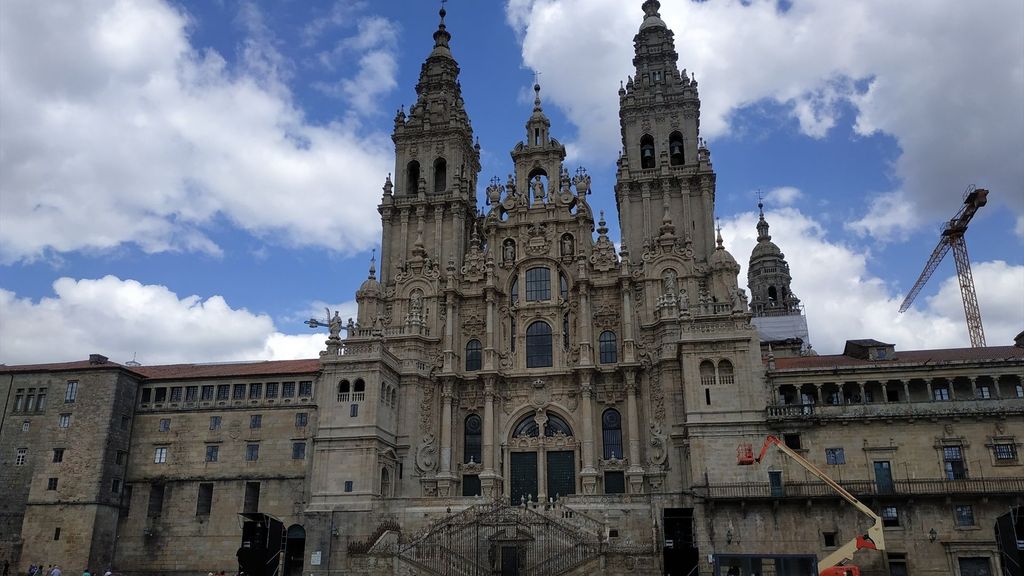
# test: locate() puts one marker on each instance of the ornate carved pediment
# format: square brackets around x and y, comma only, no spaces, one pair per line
[473,325]
[474,266]
[538,240]
[613,464]
[559,440]
[606,316]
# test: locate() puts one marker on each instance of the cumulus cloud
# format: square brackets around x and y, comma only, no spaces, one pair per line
[117,131]
[123,319]
[375,47]
[844,300]
[783,195]
[916,71]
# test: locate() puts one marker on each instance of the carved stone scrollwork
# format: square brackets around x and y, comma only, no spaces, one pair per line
[613,464]
[559,440]
[426,454]
[658,454]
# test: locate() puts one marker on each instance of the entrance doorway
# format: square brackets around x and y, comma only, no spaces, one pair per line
[523,483]
[294,550]
[561,474]
[680,551]
[509,561]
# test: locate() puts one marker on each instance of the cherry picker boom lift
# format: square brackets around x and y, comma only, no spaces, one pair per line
[838,562]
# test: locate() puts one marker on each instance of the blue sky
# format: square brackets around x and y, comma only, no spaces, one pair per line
[188,181]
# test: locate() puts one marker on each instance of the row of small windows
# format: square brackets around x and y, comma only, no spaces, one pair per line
[710,374]
[538,347]
[252,391]
[252,453]
[412,183]
[649,156]
[34,400]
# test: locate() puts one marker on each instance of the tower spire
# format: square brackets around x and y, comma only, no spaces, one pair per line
[762,224]
[442,36]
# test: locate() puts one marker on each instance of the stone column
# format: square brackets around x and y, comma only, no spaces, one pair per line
[542,476]
[404,255]
[489,478]
[628,342]
[885,391]
[585,323]
[445,477]
[589,473]
[931,395]
[906,390]
[974,386]
[863,396]
[635,472]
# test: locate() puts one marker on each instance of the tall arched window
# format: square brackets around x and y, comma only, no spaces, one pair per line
[538,345]
[563,286]
[385,483]
[440,175]
[473,353]
[360,386]
[343,390]
[773,295]
[412,178]
[675,149]
[725,375]
[609,347]
[707,373]
[538,284]
[553,426]
[647,158]
[472,439]
[565,332]
[611,434]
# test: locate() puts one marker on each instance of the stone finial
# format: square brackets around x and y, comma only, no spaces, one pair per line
[651,8]
[373,265]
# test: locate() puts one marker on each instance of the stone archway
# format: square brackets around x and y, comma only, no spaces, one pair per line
[541,458]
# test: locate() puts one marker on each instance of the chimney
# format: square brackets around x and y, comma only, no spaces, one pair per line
[97,359]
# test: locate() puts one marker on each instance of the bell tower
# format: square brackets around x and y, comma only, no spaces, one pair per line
[427,208]
[665,182]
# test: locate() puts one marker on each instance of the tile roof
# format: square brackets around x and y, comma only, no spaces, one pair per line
[905,357]
[60,366]
[181,371]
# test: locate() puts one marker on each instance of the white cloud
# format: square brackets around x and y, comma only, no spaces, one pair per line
[783,196]
[123,319]
[890,217]
[116,131]
[913,70]
[844,300]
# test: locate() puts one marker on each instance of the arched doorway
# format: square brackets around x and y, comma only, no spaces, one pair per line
[541,458]
[295,550]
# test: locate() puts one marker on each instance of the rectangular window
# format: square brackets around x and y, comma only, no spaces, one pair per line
[538,284]
[115,486]
[56,533]
[212,453]
[165,424]
[239,392]
[965,516]
[306,388]
[256,421]
[1019,389]
[251,503]
[125,422]
[191,393]
[953,458]
[890,516]
[214,422]
[206,394]
[160,455]
[160,395]
[984,392]
[835,456]
[829,539]
[156,500]
[271,390]
[1005,452]
[223,391]
[353,410]
[71,392]
[941,393]
[20,456]
[348,485]
[19,401]
[41,400]
[176,394]
[147,395]
[792,441]
[255,390]
[298,450]
[614,482]
[126,501]
[30,400]
[252,452]
[287,389]
[64,421]
[121,458]
[58,454]
[204,501]
[51,483]
[301,419]
[26,426]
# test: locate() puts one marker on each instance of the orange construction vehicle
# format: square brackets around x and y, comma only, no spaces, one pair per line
[838,562]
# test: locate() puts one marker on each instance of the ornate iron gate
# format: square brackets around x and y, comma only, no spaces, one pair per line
[498,539]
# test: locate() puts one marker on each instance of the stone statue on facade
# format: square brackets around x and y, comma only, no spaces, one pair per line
[538,190]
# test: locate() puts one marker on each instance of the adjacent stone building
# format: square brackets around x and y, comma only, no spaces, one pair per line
[516,396]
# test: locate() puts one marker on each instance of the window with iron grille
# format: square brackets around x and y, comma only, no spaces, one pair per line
[191,393]
[20,456]
[538,345]
[955,467]
[271,390]
[176,394]
[611,434]
[538,284]
[609,347]
[835,456]
[255,390]
[964,516]
[223,392]
[1005,452]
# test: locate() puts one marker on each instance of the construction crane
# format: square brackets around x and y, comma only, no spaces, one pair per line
[838,562]
[953,236]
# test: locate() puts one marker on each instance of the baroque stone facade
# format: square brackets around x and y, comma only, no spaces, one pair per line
[517,397]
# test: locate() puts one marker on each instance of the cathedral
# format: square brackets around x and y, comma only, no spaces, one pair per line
[517,396]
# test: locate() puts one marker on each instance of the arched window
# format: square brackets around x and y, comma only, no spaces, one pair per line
[472,439]
[647,157]
[609,347]
[538,345]
[412,178]
[360,386]
[343,390]
[611,434]
[707,373]
[725,375]
[553,426]
[385,483]
[440,175]
[538,284]
[473,353]
[675,149]
[563,286]
[773,295]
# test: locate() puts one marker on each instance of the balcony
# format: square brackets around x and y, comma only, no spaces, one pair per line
[865,488]
[901,410]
